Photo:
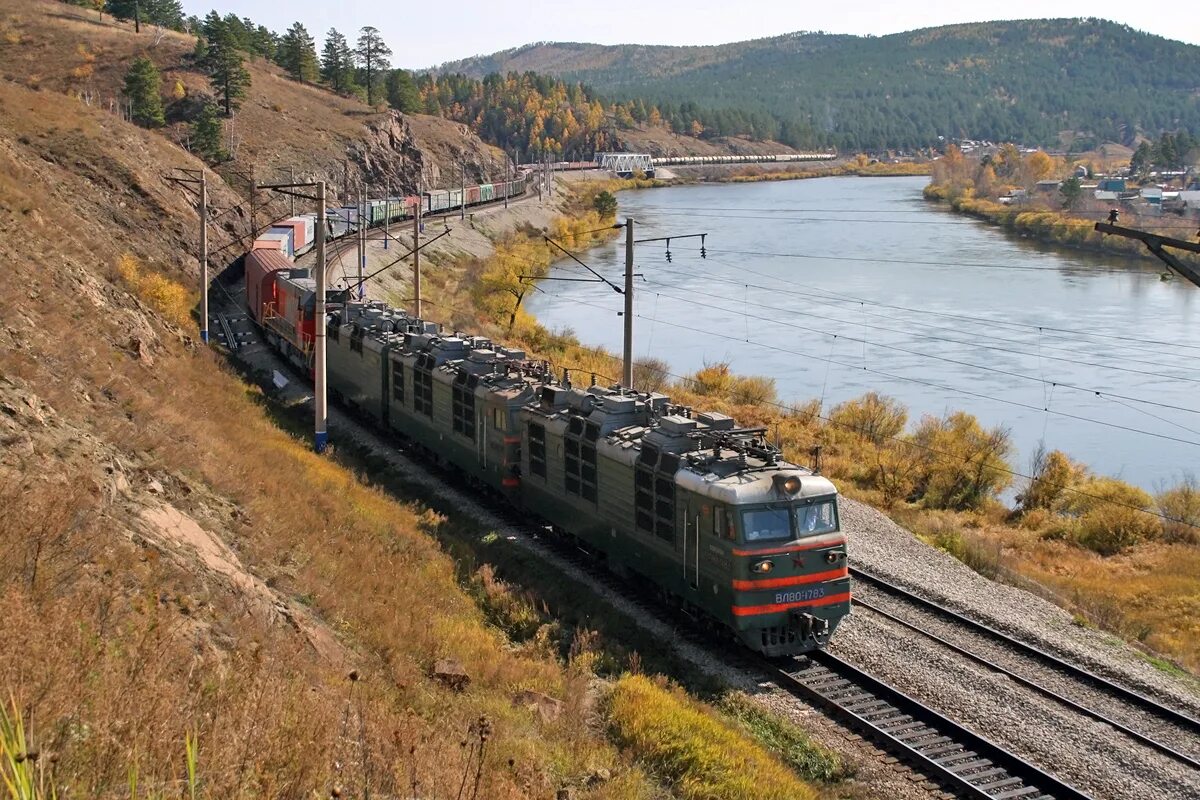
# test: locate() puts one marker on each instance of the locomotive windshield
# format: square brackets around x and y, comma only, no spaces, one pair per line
[784,523]
[767,524]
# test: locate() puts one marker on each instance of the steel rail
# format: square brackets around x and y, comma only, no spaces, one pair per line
[1165,712]
[936,745]
[1037,687]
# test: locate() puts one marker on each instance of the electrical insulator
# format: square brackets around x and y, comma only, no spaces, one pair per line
[703,252]
[668,256]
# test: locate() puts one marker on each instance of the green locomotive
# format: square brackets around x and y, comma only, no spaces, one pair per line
[708,513]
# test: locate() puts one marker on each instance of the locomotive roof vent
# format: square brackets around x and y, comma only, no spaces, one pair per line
[513,355]
[482,356]
[676,426]
[553,397]
[617,404]
[657,402]
[716,421]
[581,401]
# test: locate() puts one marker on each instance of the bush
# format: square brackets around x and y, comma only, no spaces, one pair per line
[162,294]
[650,374]
[874,417]
[962,465]
[714,380]
[1111,516]
[753,391]
[701,757]
[1053,473]
[1181,505]
[605,204]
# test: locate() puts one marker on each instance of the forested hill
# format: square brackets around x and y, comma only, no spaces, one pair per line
[1023,81]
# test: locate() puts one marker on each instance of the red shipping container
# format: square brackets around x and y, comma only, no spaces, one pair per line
[261,266]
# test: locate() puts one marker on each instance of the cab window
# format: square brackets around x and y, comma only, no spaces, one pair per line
[816,518]
[767,524]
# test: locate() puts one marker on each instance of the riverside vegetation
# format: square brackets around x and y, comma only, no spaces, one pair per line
[974,186]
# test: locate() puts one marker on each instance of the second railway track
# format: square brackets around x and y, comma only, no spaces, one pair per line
[1143,719]
[953,755]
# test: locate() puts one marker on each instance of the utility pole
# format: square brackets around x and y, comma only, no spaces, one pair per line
[321,414]
[387,213]
[292,178]
[197,178]
[362,240]
[203,209]
[627,366]
[507,180]
[346,179]
[462,185]
[417,256]
[320,397]
[253,210]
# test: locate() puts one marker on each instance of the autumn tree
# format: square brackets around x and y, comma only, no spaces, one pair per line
[297,54]
[605,204]
[143,87]
[372,55]
[1037,166]
[962,464]
[337,62]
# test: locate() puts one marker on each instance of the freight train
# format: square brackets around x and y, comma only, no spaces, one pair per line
[709,515]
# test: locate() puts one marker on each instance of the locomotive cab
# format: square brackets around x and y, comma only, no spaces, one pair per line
[790,578]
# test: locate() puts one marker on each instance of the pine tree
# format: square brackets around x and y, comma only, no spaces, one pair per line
[142,87]
[372,53]
[298,54]
[402,92]
[206,134]
[337,62]
[224,64]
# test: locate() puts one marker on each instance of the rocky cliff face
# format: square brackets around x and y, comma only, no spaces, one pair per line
[411,151]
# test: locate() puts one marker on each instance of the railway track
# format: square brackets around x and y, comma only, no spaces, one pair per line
[946,751]
[1187,727]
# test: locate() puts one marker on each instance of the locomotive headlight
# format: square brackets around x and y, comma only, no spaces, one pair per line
[832,556]
[791,485]
[762,566]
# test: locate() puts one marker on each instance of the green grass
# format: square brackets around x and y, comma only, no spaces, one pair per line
[787,741]
[700,755]
[1165,665]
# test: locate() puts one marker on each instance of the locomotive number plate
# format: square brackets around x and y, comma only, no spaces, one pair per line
[814,593]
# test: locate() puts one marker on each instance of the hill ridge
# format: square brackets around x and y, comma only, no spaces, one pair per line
[1021,80]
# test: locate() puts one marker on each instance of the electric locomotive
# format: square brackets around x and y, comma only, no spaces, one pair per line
[709,514]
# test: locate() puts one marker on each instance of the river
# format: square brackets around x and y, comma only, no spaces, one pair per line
[839,286]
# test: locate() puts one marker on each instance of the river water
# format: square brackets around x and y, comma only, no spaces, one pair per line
[839,286]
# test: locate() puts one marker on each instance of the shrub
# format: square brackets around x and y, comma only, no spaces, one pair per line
[874,417]
[714,380]
[605,204]
[650,374]
[962,465]
[162,294]
[702,757]
[1111,515]
[754,390]
[1181,505]
[1052,473]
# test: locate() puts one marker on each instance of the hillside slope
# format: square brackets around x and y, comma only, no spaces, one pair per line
[282,125]
[1007,81]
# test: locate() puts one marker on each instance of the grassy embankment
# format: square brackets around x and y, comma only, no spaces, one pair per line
[1106,557]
